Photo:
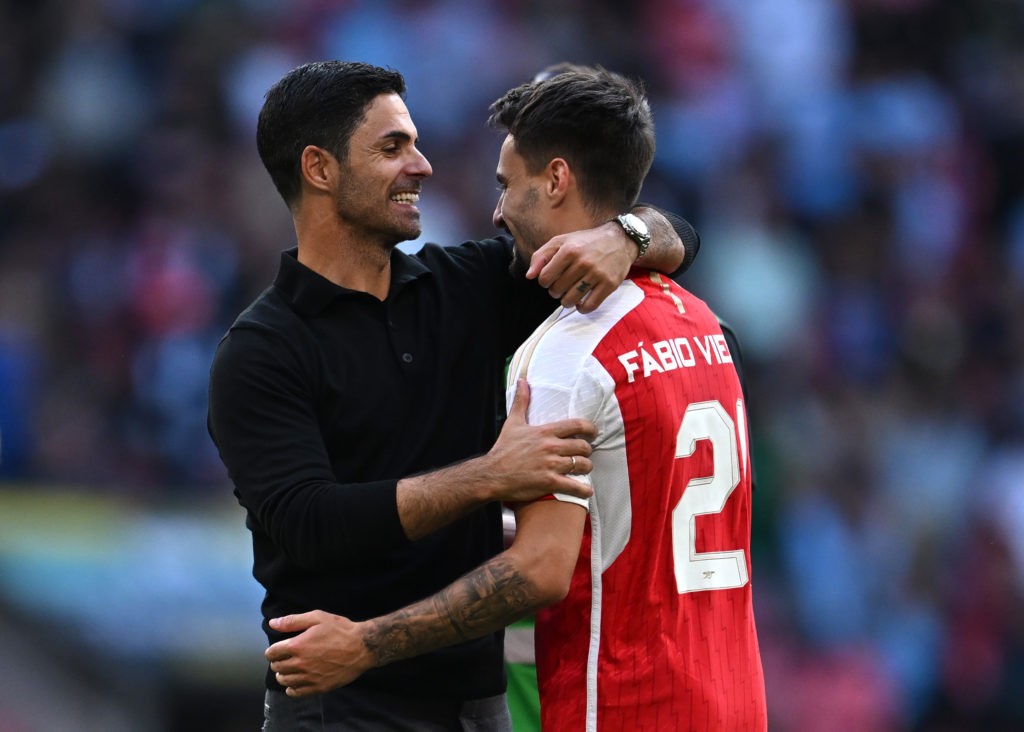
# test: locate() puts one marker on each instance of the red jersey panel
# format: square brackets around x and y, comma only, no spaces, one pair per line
[657,631]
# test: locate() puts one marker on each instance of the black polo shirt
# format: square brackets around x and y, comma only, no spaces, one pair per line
[321,398]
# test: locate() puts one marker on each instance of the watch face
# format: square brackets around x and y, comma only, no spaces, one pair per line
[635,225]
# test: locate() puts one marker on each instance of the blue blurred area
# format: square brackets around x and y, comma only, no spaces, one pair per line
[856,168]
[175,577]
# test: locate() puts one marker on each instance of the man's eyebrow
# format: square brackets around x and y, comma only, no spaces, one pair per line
[398,135]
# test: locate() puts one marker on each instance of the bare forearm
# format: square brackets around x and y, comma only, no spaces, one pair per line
[526,462]
[666,251]
[483,601]
[430,501]
[331,651]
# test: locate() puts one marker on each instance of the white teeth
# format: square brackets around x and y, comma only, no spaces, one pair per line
[406,197]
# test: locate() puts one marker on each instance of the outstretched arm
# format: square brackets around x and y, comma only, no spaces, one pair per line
[582,268]
[525,463]
[264,424]
[332,651]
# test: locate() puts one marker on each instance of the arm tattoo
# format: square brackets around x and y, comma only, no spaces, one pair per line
[488,598]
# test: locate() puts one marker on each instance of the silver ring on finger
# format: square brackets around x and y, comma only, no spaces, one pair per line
[583,286]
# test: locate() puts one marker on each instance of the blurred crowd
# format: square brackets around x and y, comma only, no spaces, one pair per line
[856,168]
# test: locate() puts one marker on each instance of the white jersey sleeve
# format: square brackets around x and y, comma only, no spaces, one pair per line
[566,381]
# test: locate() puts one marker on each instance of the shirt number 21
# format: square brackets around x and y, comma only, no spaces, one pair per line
[720,570]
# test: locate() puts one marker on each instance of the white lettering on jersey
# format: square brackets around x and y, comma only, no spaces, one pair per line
[667,355]
[650,365]
[704,347]
[673,354]
[688,359]
[723,349]
[628,361]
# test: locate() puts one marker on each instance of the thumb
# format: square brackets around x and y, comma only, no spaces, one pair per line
[294,623]
[517,412]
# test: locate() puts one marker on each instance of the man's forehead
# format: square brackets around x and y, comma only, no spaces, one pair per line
[508,157]
[387,116]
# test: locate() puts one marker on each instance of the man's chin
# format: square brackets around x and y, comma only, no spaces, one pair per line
[406,234]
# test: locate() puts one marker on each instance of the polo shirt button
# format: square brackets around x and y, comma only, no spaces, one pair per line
[407,357]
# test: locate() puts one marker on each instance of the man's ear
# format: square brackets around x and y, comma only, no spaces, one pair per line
[318,167]
[560,180]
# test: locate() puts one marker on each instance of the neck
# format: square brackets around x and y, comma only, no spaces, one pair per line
[577,218]
[345,259]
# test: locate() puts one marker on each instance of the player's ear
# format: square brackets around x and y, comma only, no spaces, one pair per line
[560,179]
[317,167]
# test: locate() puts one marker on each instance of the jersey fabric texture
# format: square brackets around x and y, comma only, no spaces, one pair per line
[657,631]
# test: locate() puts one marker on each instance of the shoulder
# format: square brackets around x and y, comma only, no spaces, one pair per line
[666,294]
[267,331]
[580,333]
[482,254]
[560,350]
[267,313]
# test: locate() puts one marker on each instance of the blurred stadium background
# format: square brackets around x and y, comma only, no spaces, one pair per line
[856,168]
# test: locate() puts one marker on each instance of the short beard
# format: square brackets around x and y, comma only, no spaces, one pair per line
[519,264]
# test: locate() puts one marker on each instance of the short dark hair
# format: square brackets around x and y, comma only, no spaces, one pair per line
[559,68]
[599,121]
[319,104]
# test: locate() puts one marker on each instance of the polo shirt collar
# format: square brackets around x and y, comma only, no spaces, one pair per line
[310,292]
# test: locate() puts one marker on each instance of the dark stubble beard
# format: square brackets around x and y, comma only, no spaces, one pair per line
[519,264]
[520,260]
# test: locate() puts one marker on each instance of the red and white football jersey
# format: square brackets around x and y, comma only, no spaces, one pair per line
[657,631]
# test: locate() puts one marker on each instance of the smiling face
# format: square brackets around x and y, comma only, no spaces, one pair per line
[380,180]
[519,210]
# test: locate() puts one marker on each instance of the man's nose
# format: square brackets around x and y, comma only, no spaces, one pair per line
[420,166]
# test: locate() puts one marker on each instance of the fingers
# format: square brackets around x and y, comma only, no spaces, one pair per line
[296,684]
[556,267]
[561,275]
[570,468]
[582,428]
[296,623]
[572,280]
[573,484]
[520,403]
[278,652]
[580,465]
[540,259]
[593,299]
[289,671]
[283,650]
[580,292]
[573,487]
[573,448]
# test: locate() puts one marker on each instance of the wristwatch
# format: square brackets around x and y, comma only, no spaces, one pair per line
[636,230]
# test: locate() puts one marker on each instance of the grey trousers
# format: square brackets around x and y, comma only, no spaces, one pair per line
[361,711]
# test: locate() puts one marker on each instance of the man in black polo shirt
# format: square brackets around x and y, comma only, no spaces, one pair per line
[356,402]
